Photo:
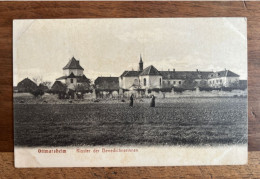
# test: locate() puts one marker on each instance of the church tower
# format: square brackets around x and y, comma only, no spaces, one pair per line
[141,65]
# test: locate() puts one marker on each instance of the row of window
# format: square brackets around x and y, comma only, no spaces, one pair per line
[174,82]
[160,82]
[213,81]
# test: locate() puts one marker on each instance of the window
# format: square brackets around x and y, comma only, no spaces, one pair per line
[174,82]
[169,82]
[144,82]
[179,82]
[136,81]
[220,81]
[71,80]
[160,82]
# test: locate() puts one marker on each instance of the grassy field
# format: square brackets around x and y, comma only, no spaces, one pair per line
[184,121]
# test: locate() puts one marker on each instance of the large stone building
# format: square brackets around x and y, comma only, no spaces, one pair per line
[150,78]
[73,74]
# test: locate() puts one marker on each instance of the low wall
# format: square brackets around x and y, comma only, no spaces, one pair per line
[189,93]
[172,94]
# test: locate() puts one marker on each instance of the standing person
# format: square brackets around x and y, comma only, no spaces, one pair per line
[152,104]
[131,100]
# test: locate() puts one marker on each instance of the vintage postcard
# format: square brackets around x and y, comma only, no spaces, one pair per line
[130,92]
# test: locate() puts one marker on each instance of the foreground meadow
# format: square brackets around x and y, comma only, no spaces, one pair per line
[184,121]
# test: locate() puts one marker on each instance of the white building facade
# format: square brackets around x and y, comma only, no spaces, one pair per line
[73,74]
[150,78]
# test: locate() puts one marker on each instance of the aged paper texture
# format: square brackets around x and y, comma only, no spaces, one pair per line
[130,92]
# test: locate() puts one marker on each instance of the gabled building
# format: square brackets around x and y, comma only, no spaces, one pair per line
[58,87]
[107,83]
[179,78]
[150,78]
[73,74]
[224,78]
[26,85]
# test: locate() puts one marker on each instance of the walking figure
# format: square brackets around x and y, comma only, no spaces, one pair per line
[152,104]
[131,100]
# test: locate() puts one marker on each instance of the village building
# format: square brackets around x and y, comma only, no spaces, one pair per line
[73,75]
[107,83]
[43,87]
[224,78]
[26,85]
[58,87]
[150,78]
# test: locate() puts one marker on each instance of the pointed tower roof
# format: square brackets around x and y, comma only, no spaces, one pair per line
[141,60]
[73,64]
[151,71]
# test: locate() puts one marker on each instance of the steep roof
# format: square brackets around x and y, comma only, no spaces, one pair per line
[62,78]
[82,79]
[26,85]
[185,74]
[130,73]
[58,86]
[71,75]
[73,64]
[111,83]
[224,73]
[150,70]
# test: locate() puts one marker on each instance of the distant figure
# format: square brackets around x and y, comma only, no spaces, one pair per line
[152,104]
[131,100]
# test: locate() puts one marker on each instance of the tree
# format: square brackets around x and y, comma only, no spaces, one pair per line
[82,88]
[234,84]
[37,79]
[189,83]
[38,92]
[47,83]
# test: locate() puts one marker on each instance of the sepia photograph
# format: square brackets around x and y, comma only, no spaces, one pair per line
[130,92]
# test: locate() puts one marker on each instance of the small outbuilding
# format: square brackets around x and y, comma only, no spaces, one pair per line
[26,86]
[58,87]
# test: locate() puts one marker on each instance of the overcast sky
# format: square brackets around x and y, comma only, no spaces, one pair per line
[109,46]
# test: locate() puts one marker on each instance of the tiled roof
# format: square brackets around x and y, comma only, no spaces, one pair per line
[58,86]
[150,70]
[26,81]
[80,79]
[224,73]
[26,85]
[111,83]
[62,78]
[83,78]
[185,74]
[73,64]
[130,73]
[71,75]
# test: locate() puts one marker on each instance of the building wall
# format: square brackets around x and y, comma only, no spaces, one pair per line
[76,72]
[71,85]
[223,81]
[151,81]
[120,80]
[172,82]
[127,82]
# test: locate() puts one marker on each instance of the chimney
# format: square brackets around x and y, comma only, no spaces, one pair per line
[173,70]
[197,70]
